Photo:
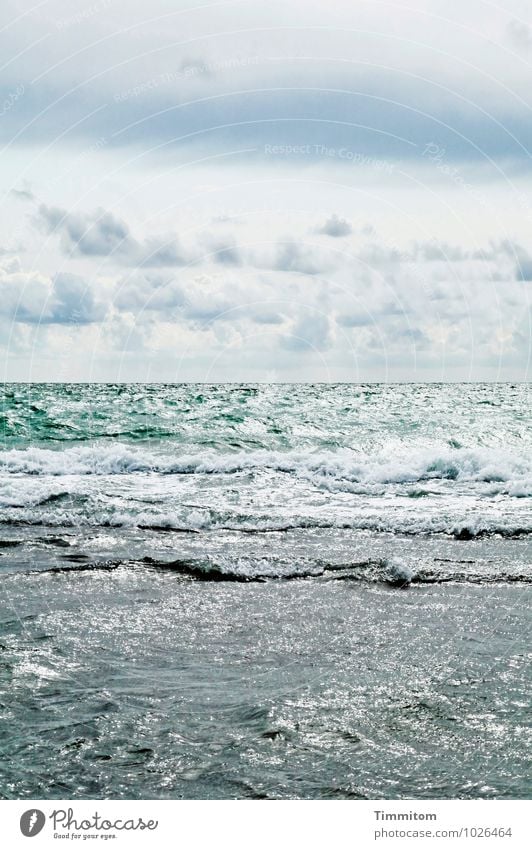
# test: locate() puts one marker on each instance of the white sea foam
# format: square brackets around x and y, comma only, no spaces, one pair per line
[464,492]
[398,572]
[397,521]
[393,464]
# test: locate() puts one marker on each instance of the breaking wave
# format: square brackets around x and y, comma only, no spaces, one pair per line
[197,521]
[393,571]
[393,464]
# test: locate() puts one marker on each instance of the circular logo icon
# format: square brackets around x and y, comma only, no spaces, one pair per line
[32,822]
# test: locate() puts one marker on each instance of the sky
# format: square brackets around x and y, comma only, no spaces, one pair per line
[274,192]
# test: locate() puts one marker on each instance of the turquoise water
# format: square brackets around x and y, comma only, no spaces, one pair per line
[265,591]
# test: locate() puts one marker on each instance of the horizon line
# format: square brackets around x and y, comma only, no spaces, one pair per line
[525,382]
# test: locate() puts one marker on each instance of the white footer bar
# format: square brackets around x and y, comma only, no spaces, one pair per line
[266,825]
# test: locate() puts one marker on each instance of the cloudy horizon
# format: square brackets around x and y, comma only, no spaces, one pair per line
[232,192]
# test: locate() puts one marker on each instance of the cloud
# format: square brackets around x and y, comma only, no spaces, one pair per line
[293,256]
[160,251]
[36,299]
[222,250]
[73,301]
[200,299]
[435,251]
[520,35]
[84,84]
[124,334]
[377,255]
[309,332]
[518,255]
[10,265]
[421,302]
[264,314]
[174,115]
[335,227]
[102,234]
[23,194]
[355,320]
[92,234]
[523,269]
[148,292]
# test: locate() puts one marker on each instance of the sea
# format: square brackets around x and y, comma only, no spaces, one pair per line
[265,591]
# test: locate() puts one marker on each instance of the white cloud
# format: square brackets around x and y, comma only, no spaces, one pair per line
[32,298]
[102,234]
[335,227]
[309,332]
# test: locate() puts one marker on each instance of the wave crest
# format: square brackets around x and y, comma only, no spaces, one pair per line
[392,464]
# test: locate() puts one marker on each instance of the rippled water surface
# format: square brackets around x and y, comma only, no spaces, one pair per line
[265,591]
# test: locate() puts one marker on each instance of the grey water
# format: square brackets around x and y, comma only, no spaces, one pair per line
[265,591]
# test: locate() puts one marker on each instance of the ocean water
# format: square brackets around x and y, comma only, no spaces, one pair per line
[265,591]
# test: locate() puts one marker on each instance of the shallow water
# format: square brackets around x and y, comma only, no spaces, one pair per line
[265,591]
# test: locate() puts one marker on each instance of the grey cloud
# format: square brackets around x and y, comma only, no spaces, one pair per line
[520,257]
[439,252]
[376,312]
[382,256]
[263,315]
[73,301]
[92,234]
[148,292]
[24,194]
[292,256]
[227,255]
[523,269]
[197,300]
[161,252]
[11,265]
[24,299]
[378,255]
[79,53]
[393,308]
[32,299]
[222,251]
[309,332]
[205,306]
[355,320]
[102,234]
[123,333]
[300,311]
[335,227]
[409,334]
